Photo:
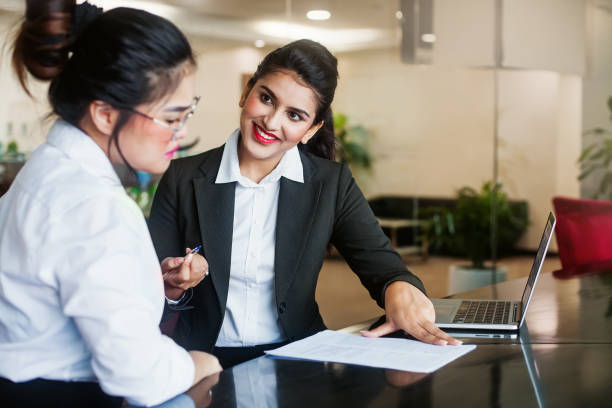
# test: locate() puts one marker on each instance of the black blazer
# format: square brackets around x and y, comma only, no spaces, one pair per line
[190,209]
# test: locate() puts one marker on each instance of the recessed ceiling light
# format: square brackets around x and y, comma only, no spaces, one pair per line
[260,43]
[399,15]
[428,38]
[318,15]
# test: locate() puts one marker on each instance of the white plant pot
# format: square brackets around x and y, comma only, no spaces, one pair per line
[463,278]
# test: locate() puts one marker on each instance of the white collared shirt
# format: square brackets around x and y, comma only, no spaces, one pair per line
[81,293]
[251,316]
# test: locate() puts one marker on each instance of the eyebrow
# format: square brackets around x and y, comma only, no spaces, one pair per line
[302,111]
[176,108]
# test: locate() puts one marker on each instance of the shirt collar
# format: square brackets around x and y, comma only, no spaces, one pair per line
[290,165]
[81,148]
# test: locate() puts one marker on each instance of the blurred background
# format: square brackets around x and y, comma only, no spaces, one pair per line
[461,120]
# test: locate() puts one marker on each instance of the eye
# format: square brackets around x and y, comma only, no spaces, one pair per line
[173,121]
[294,116]
[265,98]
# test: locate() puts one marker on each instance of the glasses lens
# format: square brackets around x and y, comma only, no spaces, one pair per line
[184,119]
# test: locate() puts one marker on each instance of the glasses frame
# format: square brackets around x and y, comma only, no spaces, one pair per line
[177,129]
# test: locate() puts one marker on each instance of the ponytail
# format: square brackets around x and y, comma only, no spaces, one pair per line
[323,143]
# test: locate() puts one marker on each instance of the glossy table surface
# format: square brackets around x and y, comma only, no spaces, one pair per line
[562,357]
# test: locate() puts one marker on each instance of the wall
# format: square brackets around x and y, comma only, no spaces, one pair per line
[433,129]
[598,80]
[219,84]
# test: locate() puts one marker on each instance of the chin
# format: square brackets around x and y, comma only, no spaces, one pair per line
[158,168]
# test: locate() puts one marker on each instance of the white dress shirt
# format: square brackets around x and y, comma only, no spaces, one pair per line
[251,316]
[81,292]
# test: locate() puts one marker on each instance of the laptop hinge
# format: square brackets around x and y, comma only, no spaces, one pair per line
[515,312]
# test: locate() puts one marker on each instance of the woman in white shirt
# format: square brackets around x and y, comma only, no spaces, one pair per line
[265,207]
[81,290]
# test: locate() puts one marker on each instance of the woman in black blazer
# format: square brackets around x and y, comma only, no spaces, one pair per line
[315,202]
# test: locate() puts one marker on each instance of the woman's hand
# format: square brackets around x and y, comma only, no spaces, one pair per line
[205,364]
[408,309]
[182,273]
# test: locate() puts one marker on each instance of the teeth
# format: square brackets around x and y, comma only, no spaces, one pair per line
[262,134]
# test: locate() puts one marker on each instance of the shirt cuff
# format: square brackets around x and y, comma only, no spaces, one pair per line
[176,302]
[182,302]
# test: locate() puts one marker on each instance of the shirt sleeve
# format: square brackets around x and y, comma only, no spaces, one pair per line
[110,283]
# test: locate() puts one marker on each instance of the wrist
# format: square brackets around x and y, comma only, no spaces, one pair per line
[173,293]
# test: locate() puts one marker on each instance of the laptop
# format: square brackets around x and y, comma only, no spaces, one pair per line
[477,314]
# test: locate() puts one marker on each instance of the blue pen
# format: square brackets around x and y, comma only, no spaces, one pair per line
[194,250]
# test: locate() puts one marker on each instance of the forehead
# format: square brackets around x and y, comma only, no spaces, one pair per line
[182,95]
[290,90]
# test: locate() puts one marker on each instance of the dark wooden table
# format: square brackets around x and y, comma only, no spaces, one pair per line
[562,358]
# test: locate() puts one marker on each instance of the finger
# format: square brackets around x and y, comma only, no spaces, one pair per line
[427,337]
[436,331]
[185,269]
[381,330]
[187,250]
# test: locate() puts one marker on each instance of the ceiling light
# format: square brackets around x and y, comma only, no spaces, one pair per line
[259,43]
[399,15]
[428,38]
[318,15]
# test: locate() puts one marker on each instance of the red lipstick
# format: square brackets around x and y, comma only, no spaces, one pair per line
[264,137]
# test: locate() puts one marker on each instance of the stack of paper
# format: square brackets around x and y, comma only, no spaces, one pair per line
[398,354]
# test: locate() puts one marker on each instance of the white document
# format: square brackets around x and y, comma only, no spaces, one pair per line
[398,354]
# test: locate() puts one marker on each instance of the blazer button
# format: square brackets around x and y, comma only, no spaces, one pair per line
[282,307]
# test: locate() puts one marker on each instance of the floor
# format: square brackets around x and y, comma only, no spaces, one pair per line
[344,301]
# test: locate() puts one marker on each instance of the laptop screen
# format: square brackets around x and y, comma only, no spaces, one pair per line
[537,264]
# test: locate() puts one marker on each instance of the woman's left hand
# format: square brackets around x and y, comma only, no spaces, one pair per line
[408,309]
[182,273]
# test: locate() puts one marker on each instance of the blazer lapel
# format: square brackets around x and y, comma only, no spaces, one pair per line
[297,205]
[215,206]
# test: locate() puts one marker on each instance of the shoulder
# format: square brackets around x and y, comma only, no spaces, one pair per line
[189,167]
[327,171]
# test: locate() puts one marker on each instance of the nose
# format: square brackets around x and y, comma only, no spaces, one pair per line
[272,120]
[181,133]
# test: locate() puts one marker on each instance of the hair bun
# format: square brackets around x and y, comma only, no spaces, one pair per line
[84,14]
[43,39]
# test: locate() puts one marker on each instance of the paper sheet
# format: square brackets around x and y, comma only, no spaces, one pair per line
[398,354]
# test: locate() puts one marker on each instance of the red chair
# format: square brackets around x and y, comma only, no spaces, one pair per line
[583,231]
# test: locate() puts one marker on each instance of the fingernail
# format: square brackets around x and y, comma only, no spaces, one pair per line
[443,342]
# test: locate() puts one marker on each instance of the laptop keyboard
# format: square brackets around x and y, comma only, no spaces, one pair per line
[495,312]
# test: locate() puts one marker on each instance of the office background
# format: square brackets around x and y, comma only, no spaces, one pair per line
[505,89]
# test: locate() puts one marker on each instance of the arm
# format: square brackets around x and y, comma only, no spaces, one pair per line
[360,239]
[110,285]
[179,273]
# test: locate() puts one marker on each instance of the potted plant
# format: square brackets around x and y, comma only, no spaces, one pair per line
[353,143]
[596,159]
[465,231]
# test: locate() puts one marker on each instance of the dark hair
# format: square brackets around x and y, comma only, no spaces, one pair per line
[124,57]
[318,68]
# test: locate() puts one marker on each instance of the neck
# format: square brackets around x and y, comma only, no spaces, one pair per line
[255,169]
[99,138]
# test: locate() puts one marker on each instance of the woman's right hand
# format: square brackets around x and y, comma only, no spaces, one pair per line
[205,365]
[182,273]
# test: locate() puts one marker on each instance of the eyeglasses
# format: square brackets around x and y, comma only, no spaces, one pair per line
[174,129]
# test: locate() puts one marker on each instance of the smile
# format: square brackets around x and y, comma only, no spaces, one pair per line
[264,137]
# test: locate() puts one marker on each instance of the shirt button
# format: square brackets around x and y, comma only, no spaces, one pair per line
[282,307]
